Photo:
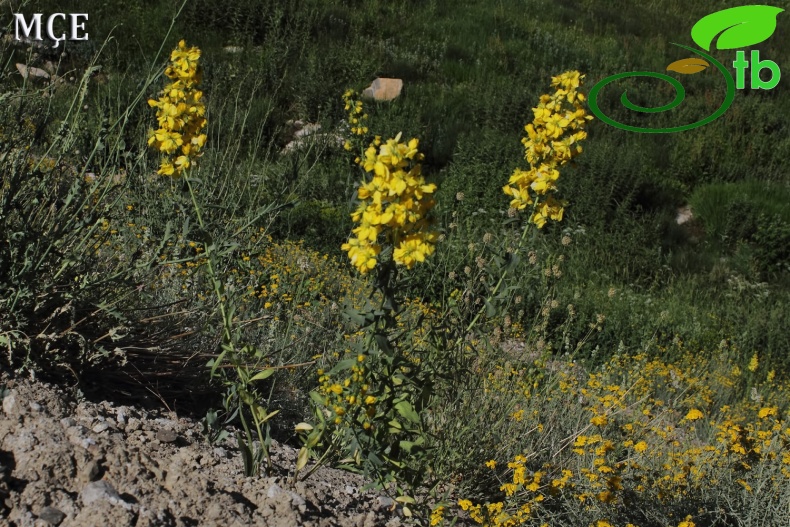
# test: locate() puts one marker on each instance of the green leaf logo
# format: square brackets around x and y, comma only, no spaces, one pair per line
[739,27]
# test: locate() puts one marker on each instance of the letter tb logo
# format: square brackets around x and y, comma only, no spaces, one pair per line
[737,27]
[741,65]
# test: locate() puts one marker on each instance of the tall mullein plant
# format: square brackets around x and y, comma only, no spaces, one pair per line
[553,139]
[180,139]
[368,406]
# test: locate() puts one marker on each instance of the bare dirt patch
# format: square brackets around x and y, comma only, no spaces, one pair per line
[77,463]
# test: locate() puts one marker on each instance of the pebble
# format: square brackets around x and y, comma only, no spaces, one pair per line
[385,502]
[133,425]
[90,472]
[35,406]
[99,490]
[296,500]
[101,427]
[8,403]
[166,436]
[51,515]
[120,417]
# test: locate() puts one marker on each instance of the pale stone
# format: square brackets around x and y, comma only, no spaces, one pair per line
[383,89]
[29,71]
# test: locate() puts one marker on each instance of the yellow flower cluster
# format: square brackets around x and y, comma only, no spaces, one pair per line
[180,113]
[553,140]
[350,398]
[356,115]
[394,204]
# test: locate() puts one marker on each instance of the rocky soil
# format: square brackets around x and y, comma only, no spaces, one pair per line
[77,463]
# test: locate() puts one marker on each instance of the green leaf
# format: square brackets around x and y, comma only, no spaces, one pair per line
[405,409]
[342,365]
[246,455]
[490,309]
[738,27]
[303,427]
[356,317]
[317,398]
[384,343]
[511,261]
[265,374]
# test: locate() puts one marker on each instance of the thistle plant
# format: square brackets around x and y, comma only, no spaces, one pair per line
[181,118]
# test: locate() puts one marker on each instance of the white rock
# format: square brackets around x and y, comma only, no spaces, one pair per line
[684,215]
[8,403]
[29,71]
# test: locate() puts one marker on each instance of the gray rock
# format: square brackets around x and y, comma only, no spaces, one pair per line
[100,427]
[98,491]
[51,515]
[166,436]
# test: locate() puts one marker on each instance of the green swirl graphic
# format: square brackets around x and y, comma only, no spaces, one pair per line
[680,94]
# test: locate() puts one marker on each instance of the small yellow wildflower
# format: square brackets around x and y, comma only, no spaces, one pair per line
[437,515]
[753,363]
[767,411]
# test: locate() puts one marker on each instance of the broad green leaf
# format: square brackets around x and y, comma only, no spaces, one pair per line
[356,317]
[406,410]
[405,499]
[384,343]
[737,27]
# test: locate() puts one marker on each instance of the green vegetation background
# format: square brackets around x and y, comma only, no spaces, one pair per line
[472,71]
